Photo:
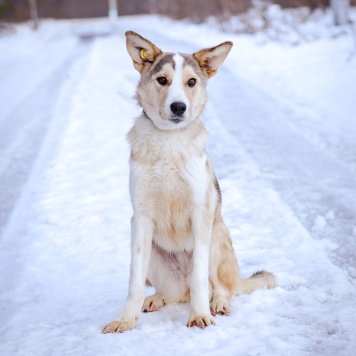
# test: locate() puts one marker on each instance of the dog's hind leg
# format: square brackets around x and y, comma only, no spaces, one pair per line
[224,270]
[153,303]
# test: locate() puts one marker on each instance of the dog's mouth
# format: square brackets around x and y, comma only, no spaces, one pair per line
[176,120]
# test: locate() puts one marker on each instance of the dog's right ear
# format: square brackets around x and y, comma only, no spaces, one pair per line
[142,51]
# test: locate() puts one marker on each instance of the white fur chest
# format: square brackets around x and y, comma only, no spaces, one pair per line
[168,178]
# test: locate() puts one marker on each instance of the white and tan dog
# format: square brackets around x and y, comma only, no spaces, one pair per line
[180,244]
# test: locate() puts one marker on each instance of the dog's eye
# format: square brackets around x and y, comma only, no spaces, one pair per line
[162,80]
[191,82]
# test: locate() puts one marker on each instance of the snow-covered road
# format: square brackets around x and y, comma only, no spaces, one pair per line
[288,197]
[32,75]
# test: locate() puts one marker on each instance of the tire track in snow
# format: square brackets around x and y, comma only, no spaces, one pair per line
[24,128]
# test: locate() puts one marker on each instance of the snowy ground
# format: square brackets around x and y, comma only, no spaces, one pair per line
[282,121]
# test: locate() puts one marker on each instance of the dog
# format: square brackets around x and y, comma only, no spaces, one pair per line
[180,243]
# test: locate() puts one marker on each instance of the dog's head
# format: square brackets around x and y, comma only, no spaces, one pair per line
[172,88]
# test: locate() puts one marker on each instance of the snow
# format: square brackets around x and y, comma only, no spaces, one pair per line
[282,137]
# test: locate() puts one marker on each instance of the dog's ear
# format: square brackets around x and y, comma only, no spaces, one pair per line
[210,59]
[142,51]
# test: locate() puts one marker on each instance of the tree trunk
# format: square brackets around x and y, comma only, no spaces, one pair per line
[340,9]
[33,12]
[113,10]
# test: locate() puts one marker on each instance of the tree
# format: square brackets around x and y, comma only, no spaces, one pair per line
[113,10]
[34,13]
[340,9]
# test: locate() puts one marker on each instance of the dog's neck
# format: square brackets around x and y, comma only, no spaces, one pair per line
[148,143]
[147,117]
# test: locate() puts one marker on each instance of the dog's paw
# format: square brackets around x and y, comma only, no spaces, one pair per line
[118,326]
[201,321]
[153,303]
[219,307]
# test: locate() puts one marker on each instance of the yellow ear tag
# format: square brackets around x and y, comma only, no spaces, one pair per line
[144,53]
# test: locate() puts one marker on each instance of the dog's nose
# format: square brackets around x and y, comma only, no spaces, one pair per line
[178,108]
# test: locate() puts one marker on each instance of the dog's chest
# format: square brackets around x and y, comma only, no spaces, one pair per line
[172,203]
[168,178]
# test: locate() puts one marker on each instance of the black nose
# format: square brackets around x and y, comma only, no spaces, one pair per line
[178,108]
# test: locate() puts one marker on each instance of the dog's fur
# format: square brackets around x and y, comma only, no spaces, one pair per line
[180,244]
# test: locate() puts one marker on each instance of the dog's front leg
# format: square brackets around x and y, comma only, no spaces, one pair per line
[202,222]
[199,282]
[141,244]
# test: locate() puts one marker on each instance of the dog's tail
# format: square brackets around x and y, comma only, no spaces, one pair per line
[261,279]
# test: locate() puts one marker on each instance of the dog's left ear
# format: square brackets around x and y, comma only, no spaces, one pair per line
[210,59]
[142,51]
